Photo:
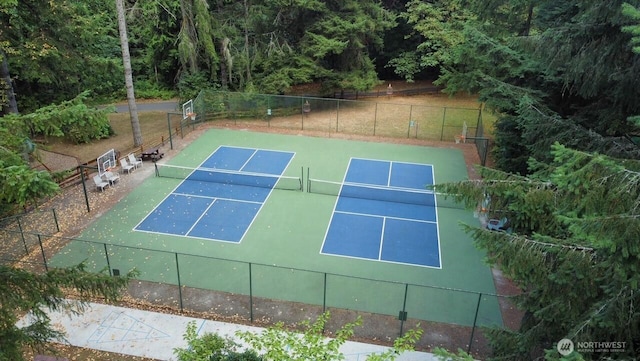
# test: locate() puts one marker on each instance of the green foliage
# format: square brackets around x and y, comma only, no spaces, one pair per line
[554,355]
[278,343]
[22,291]
[445,355]
[190,46]
[210,347]
[56,49]
[72,119]
[20,185]
[634,14]
[439,25]
[402,344]
[148,90]
[191,84]
[572,248]
[553,71]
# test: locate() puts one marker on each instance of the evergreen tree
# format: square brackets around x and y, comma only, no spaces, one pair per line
[22,291]
[572,248]
[55,50]
[552,71]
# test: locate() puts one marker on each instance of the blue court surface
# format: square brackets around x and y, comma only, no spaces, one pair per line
[220,199]
[383,212]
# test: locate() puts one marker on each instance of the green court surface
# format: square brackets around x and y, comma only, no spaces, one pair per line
[281,250]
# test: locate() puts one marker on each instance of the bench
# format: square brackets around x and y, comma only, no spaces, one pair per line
[152,154]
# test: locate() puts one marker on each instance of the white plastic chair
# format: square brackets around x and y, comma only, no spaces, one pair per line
[136,162]
[111,177]
[100,183]
[126,166]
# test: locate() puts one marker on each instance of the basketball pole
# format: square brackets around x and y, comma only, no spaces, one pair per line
[84,186]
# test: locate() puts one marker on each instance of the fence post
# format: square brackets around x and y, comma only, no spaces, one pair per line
[44,257]
[84,188]
[444,119]
[106,255]
[179,283]
[55,219]
[250,295]
[324,294]
[411,122]
[169,127]
[403,313]
[375,119]
[337,114]
[24,242]
[475,320]
[479,125]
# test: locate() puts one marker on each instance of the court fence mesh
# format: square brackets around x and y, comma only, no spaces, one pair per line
[265,293]
[331,115]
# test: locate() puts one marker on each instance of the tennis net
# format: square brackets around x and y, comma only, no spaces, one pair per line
[382,193]
[223,176]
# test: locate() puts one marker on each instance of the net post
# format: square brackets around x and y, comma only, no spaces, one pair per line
[157,171]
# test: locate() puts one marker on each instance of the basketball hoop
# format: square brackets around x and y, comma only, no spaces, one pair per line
[192,116]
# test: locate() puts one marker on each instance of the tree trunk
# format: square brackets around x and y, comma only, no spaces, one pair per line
[128,78]
[527,26]
[10,105]
[246,40]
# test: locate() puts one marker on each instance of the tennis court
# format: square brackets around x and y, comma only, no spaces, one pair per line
[383,212]
[220,199]
[273,237]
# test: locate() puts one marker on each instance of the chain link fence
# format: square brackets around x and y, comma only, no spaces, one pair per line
[263,293]
[329,115]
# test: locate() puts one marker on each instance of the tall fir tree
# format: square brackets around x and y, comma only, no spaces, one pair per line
[550,70]
[571,247]
[23,292]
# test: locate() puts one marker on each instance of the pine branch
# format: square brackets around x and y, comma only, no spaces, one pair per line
[572,134]
[598,312]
